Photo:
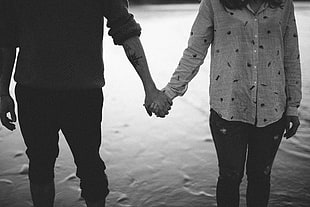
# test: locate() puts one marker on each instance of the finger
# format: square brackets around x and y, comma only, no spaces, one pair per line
[289,132]
[287,126]
[157,110]
[160,116]
[149,112]
[165,105]
[162,108]
[168,107]
[163,113]
[13,115]
[159,113]
[154,107]
[292,131]
[147,108]
[170,101]
[167,101]
[165,110]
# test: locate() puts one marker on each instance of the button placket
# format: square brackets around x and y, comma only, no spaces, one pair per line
[255,62]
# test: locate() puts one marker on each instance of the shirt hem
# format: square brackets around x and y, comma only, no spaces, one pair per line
[250,122]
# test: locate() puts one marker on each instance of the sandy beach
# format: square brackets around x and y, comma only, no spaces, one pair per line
[169,162]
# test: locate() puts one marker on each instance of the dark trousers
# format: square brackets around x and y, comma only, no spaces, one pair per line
[77,113]
[237,143]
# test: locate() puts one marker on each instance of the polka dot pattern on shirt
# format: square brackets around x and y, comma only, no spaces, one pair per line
[269,64]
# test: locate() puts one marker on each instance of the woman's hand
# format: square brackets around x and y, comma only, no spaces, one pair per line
[291,125]
[157,102]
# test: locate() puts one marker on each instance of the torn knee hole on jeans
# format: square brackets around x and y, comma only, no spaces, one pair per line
[232,176]
[223,131]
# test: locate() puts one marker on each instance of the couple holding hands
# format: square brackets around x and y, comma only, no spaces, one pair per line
[255,86]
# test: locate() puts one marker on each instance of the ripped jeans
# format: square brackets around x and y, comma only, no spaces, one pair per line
[236,143]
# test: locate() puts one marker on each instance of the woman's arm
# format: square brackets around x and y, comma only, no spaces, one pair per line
[292,74]
[135,53]
[201,37]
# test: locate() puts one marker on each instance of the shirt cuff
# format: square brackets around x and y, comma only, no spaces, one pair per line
[292,111]
[167,90]
[122,31]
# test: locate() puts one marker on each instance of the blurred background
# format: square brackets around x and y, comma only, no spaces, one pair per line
[163,1]
[171,1]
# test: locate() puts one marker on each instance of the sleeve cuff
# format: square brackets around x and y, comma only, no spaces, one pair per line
[167,90]
[123,30]
[292,111]
[120,38]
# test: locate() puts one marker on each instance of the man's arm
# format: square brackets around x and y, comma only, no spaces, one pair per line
[6,101]
[125,31]
[135,53]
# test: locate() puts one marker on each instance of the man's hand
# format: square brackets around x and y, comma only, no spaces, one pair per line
[7,106]
[157,102]
[290,129]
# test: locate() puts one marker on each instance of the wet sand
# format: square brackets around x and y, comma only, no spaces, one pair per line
[167,162]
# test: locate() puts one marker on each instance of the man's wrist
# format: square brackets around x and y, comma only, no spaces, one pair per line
[150,87]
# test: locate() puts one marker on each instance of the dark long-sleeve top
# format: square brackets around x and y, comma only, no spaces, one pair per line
[255,66]
[60,42]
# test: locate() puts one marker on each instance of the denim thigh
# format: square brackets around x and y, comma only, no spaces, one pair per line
[38,123]
[80,122]
[230,138]
[263,145]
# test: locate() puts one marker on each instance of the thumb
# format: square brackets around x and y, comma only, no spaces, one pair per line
[287,125]
[13,115]
[12,112]
[149,112]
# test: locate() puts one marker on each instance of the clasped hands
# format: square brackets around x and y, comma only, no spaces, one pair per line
[157,102]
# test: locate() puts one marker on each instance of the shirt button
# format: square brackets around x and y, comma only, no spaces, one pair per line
[255,19]
[254,66]
[255,36]
[255,51]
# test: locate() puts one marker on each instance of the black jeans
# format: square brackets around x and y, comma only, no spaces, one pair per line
[78,114]
[237,143]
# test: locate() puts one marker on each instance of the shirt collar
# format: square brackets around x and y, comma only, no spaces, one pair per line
[261,9]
